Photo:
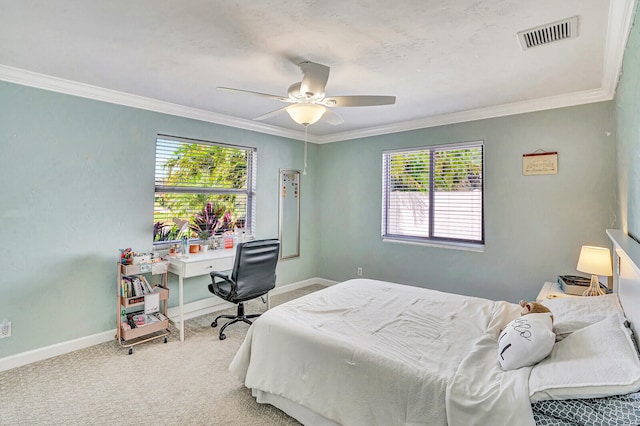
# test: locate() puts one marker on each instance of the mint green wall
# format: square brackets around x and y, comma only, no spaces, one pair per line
[535,225]
[77,184]
[628,134]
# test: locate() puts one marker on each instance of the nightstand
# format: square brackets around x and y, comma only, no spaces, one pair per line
[550,291]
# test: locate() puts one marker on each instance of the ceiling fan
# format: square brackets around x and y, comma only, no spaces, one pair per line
[308,101]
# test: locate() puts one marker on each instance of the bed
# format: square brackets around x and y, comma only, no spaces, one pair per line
[367,352]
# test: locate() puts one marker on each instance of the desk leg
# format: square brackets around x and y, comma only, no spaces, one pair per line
[181,305]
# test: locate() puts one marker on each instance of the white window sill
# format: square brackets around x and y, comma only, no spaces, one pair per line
[479,248]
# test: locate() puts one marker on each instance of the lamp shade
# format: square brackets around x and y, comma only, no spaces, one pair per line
[305,114]
[595,260]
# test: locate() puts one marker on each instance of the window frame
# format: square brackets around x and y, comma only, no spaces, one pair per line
[462,243]
[249,192]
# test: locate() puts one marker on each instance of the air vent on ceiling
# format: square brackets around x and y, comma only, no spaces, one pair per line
[545,34]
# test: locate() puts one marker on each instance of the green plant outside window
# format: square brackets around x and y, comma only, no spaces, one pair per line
[202,189]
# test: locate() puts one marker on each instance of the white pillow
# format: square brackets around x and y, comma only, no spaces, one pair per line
[595,361]
[525,341]
[573,313]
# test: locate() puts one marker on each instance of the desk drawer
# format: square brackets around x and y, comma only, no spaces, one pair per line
[205,267]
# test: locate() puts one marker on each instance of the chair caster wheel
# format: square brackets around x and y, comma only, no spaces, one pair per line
[223,336]
[165,340]
[130,351]
[214,324]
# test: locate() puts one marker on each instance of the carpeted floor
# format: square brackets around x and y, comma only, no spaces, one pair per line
[162,384]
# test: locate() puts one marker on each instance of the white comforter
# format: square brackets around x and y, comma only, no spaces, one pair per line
[368,352]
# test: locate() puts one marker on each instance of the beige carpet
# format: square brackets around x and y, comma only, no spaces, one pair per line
[162,384]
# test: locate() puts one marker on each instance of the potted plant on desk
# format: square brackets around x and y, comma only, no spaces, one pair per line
[204,240]
[211,221]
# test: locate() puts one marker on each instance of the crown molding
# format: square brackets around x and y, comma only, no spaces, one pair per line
[620,21]
[540,104]
[621,13]
[69,87]
[55,84]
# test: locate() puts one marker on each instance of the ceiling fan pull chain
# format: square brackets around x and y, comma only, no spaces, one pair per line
[304,171]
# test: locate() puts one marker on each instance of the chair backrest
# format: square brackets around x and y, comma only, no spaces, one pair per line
[254,269]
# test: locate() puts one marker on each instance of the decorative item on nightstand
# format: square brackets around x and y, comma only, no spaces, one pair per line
[595,261]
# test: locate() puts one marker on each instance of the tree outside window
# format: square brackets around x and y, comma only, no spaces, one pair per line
[202,188]
[434,193]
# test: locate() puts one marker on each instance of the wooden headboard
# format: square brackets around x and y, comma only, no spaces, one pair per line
[626,276]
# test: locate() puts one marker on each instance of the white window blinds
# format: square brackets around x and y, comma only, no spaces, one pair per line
[201,182]
[434,193]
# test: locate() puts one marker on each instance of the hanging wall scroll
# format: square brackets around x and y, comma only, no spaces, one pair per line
[540,163]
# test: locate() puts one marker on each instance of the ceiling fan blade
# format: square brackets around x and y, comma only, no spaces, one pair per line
[355,101]
[270,114]
[249,92]
[314,79]
[332,117]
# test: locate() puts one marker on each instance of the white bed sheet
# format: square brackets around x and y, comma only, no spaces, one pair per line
[368,352]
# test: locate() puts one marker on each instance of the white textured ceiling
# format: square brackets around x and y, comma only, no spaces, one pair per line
[445,61]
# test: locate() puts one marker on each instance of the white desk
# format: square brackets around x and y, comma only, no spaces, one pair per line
[194,265]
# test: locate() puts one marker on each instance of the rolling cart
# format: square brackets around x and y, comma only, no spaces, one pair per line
[135,327]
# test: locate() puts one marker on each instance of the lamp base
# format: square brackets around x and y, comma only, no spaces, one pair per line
[594,288]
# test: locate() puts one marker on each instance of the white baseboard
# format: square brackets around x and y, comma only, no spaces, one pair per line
[61,348]
[199,307]
[191,310]
[215,304]
[301,284]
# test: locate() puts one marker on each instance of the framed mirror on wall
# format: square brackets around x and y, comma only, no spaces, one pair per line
[289,213]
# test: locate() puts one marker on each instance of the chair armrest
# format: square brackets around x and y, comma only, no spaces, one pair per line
[219,275]
[222,278]
[219,289]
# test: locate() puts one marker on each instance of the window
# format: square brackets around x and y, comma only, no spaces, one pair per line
[202,188]
[434,194]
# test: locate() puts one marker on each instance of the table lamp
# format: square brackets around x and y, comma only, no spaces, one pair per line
[595,261]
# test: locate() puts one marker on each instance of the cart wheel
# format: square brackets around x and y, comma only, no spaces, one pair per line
[223,336]
[214,324]
[130,351]
[165,340]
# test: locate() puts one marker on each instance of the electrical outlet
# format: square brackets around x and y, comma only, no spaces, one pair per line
[359,271]
[5,329]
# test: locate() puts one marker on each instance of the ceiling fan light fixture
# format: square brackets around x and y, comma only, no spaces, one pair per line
[305,114]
